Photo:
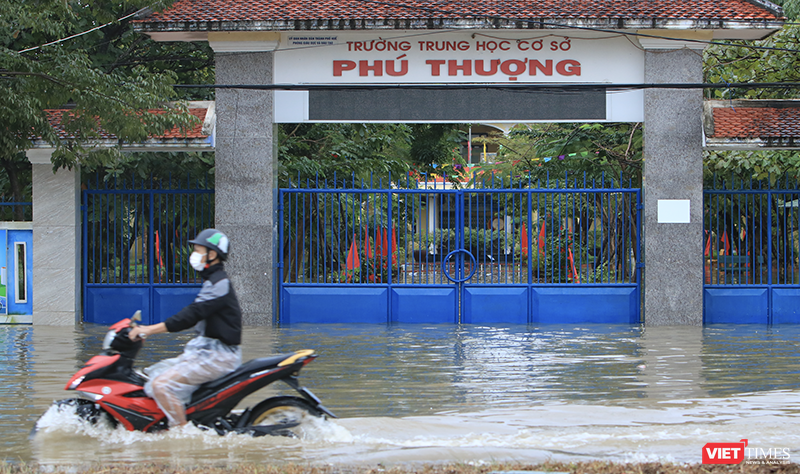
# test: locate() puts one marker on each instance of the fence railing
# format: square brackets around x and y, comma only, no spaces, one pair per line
[15,211]
[136,230]
[752,232]
[550,231]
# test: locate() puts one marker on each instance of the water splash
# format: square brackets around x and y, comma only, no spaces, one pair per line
[62,419]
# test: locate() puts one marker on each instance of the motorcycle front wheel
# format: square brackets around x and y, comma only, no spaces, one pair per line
[84,409]
[283,416]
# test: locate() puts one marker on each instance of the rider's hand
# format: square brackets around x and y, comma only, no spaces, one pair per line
[139,332]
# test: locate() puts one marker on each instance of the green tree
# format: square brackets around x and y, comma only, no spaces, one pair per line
[372,153]
[101,76]
[791,8]
[601,151]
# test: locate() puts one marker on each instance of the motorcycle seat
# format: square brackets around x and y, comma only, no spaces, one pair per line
[252,366]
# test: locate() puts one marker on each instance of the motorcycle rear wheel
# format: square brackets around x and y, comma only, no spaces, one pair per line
[291,412]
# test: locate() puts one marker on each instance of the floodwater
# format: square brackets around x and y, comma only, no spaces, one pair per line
[417,393]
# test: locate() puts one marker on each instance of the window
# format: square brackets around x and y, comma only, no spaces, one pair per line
[21,266]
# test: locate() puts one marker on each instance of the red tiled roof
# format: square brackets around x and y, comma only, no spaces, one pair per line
[55,116]
[292,10]
[766,122]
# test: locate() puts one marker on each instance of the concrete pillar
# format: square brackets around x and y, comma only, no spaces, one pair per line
[246,185]
[673,174]
[56,242]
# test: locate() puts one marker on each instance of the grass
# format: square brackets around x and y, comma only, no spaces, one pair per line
[594,467]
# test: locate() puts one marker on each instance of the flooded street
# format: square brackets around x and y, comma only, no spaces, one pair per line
[409,393]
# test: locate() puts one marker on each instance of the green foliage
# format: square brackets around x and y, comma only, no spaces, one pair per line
[791,8]
[741,64]
[601,151]
[483,242]
[105,77]
[756,165]
[603,273]
[193,169]
[556,256]
[339,155]
[435,150]
[335,153]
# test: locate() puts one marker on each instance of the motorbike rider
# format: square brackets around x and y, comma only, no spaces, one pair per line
[216,317]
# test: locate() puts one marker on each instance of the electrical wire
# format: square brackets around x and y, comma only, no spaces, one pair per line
[520,87]
[85,32]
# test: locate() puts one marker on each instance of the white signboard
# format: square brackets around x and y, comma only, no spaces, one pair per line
[457,57]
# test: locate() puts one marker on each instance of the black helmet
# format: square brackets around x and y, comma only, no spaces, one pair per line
[214,240]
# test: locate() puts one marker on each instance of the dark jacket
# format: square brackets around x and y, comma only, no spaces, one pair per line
[217,305]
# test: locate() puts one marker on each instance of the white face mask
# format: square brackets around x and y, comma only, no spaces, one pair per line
[196,261]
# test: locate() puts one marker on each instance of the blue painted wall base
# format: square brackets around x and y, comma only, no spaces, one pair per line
[751,305]
[430,304]
[109,304]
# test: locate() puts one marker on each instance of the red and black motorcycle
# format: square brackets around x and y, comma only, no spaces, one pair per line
[108,386]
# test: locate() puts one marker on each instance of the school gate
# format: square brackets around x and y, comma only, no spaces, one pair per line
[474,62]
[135,251]
[553,251]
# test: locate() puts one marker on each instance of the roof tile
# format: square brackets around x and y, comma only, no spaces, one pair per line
[56,116]
[759,122]
[288,10]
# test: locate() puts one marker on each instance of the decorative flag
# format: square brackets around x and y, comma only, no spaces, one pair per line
[572,262]
[725,242]
[353,261]
[394,247]
[367,246]
[384,243]
[158,250]
[541,239]
[523,238]
[380,244]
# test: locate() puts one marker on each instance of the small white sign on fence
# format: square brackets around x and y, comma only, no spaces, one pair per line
[673,211]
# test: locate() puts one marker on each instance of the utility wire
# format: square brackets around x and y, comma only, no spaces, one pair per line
[522,87]
[84,33]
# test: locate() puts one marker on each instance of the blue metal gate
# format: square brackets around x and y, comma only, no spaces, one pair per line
[134,245]
[561,251]
[751,251]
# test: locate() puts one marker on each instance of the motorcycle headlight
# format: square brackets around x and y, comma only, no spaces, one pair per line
[107,341]
[76,382]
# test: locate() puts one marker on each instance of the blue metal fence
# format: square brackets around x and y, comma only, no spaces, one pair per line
[12,210]
[487,251]
[752,251]
[134,245]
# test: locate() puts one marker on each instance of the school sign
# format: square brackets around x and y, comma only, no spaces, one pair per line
[458,58]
